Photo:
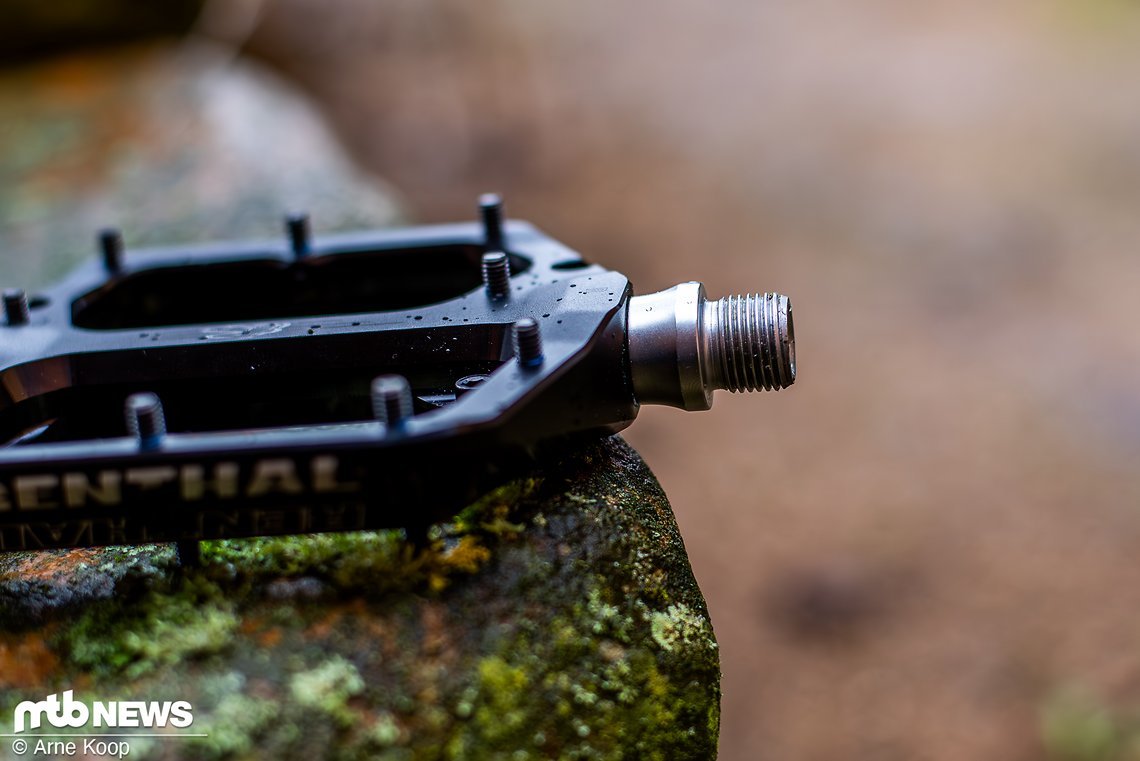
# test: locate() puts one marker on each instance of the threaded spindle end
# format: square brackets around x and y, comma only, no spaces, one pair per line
[753,342]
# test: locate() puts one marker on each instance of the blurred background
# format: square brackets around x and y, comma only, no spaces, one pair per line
[929,547]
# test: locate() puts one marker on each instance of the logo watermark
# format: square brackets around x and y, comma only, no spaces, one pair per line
[65,712]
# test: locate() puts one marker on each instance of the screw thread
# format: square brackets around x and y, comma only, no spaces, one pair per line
[528,342]
[16,310]
[145,418]
[391,399]
[497,274]
[752,342]
[491,212]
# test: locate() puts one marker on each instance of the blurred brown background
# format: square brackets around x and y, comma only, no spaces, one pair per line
[928,547]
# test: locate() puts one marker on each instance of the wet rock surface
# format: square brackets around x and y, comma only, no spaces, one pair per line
[556,617]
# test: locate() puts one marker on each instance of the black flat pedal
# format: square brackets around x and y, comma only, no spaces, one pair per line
[353,381]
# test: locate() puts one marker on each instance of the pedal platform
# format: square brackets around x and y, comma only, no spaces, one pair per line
[263,356]
[373,380]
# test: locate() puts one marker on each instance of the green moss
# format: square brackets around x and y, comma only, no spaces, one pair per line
[380,562]
[327,688]
[1077,727]
[233,727]
[495,504]
[136,637]
[503,711]
[322,554]
[384,730]
[580,682]
[621,670]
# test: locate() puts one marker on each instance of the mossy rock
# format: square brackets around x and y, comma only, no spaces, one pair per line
[555,618]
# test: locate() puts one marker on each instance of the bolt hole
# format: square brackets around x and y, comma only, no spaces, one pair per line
[38,301]
[470,382]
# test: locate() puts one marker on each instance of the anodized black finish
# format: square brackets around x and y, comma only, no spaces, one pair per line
[264,361]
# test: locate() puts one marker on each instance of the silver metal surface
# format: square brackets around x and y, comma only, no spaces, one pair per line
[145,419]
[392,402]
[682,346]
[497,274]
[528,342]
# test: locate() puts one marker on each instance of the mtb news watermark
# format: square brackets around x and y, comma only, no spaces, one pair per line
[33,722]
